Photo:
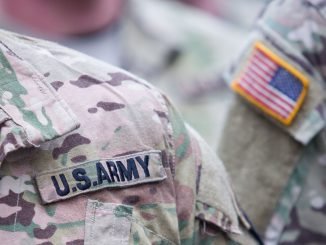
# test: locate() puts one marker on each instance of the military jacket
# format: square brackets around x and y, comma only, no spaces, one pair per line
[277,123]
[91,154]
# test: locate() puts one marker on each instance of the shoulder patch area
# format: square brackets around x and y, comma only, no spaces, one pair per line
[271,84]
[118,172]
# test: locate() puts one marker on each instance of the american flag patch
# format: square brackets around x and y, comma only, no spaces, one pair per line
[272,84]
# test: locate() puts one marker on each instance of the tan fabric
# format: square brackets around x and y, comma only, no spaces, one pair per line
[260,157]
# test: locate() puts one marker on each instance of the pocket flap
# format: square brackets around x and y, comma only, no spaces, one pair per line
[216,202]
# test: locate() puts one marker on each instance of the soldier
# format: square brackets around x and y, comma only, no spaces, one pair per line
[274,137]
[91,154]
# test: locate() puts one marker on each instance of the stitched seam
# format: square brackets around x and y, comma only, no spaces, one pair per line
[92,190]
[169,130]
[49,89]
[109,185]
[219,222]
[24,136]
[101,159]
[92,219]
[131,218]
[35,72]
[18,199]
[24,131]
[37,80]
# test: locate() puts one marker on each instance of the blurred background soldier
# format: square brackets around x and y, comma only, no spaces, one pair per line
[274,136]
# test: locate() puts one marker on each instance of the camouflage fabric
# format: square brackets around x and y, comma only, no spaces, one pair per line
[92,154]
[304,219]
[189,51]
[293,173]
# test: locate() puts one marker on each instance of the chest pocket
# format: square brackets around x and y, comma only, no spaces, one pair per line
[111,224]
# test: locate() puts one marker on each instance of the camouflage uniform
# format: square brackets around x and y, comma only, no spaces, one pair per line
[274,159]
[90,154]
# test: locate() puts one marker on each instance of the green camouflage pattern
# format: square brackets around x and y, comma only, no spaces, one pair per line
[300,217]
[38,124]
[295,31]
[189,51]
[307,218]
[290,195]
[117,115]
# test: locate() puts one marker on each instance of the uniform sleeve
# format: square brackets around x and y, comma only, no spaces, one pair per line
[206,206]
[286,51]
[30,110]
[279,106]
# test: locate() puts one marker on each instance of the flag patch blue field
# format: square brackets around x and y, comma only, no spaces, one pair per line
[271,84]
